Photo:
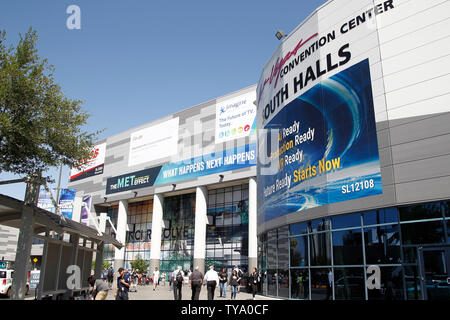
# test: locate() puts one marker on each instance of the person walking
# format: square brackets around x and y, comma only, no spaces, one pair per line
[123,285]
[223,282]
[163,279]
[171,280]
[110,277]
[177,283]
[234,283]
[253,281]
[212,282]
[195,283]
[240,275]
[99,288]
[105,275]
[155,278]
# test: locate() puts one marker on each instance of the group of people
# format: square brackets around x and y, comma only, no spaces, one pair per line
[213,280]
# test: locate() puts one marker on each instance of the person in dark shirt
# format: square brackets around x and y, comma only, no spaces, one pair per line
[123,285]
[234,283]
[223,282]
[253,281]
[195,282]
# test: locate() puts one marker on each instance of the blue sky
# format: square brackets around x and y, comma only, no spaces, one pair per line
[136,61]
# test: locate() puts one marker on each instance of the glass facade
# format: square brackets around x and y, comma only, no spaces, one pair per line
[227,229]
[139,234]
[108,250]
[177,238]
[328,258]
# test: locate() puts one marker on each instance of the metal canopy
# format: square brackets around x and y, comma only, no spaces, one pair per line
[11,213]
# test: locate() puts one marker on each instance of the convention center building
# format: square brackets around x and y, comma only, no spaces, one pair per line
[331,175]
[354,161]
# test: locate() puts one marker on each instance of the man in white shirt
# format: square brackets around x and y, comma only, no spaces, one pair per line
[155,278]
[212,282]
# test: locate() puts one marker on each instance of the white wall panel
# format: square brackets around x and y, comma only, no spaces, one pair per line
[420,73]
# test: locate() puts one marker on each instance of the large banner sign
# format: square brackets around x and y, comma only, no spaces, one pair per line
[236,117]
[92,166]
[230,159]
[153,143]
[317,133]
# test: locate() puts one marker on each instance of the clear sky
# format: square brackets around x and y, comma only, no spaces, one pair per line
[135,61]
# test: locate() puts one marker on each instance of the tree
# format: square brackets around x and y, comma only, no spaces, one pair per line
[139,264]
[39,126]
[106,264]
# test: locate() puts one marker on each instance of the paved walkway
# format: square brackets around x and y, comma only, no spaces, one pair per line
[163,293]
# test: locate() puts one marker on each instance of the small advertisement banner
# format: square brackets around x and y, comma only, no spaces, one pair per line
[92,166]
[45,200]
[85,209]
[236,117]
[66,200]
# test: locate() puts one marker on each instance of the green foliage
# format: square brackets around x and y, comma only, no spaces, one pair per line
[106,264]
[39,126]
[140,264]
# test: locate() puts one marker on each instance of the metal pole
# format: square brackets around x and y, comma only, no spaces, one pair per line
[58,189]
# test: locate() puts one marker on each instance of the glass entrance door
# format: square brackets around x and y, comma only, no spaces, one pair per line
[435,273]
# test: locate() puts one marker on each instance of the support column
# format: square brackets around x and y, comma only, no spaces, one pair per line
[23,252]
[157,218]
[119,254]
[75,241]
[201,205]
[99,260]
[252,225]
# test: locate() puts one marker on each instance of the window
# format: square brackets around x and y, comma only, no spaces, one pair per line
[320,288]
[320,249]
[298,228]
[349,283]
[299,251]
[382,244]
[346,221]
[381,216]
[423,233]
[347,247]
[420,211]
[228,211]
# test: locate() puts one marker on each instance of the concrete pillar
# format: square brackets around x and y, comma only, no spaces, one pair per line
[23,252]
[252,225]
[75,241]
[119,254]
[99,260]
[157,219]
[102,222]
[201,205]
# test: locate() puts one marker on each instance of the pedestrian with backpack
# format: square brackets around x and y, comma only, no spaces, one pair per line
[240,275]
[178,278]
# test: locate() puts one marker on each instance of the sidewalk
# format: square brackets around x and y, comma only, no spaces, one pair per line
[163,293]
